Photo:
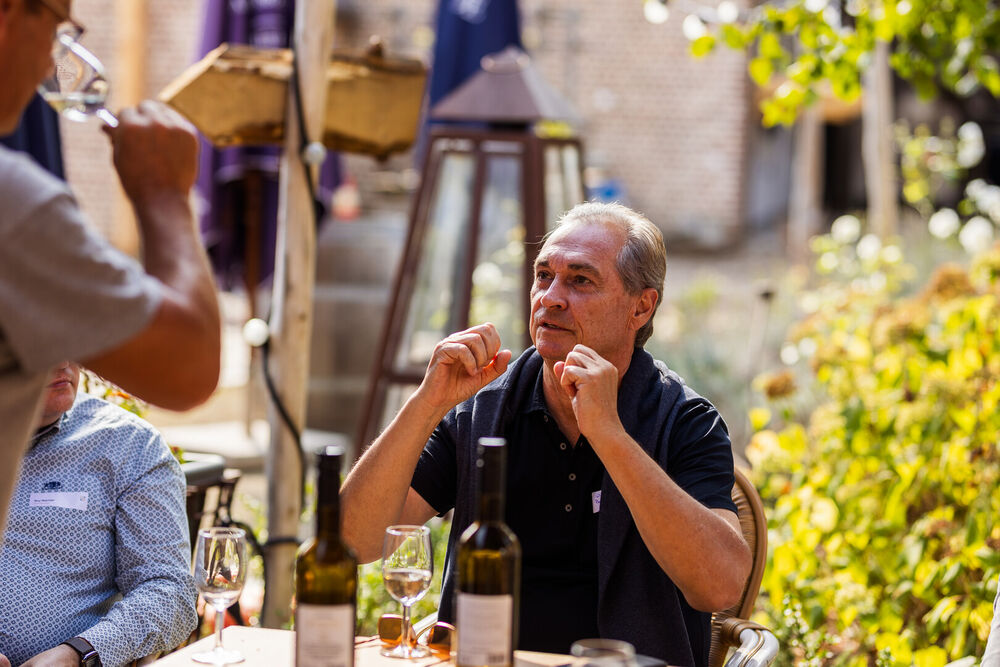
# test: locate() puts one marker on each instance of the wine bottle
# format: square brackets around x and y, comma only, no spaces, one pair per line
[326,579]
[489,570]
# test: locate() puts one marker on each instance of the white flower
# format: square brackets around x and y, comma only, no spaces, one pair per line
[828,262]
[970,131]
[655,11]
[988,201]
[693,27]
[816,6]
[727,11]
[846,229]
[903,7]
[944,223]
[789,354]
[975,188]
[970,145]
[976,235]
[869,247]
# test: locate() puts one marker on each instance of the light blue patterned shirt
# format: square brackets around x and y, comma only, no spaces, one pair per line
[97,541]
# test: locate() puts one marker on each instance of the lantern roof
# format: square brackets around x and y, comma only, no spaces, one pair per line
[506,90]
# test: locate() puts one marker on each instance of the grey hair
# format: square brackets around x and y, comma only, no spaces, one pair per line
[642,261]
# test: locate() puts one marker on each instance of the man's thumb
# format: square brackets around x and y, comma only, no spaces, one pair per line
[498,366]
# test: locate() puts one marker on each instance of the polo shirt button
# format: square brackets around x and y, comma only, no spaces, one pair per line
[545,418]
[569,508]
[562,445]
[572,476]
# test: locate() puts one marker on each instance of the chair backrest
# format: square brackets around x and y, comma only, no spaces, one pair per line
[754,524]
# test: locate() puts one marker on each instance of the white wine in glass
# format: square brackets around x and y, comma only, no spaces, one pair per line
[78,87]
[407,566]
[220,568]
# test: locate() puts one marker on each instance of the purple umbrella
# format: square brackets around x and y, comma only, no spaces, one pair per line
[238,187]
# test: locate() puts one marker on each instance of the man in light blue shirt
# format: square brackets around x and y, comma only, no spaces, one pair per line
[96,551]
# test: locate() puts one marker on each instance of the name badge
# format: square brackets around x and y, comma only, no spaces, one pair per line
[71,500]
[595,501]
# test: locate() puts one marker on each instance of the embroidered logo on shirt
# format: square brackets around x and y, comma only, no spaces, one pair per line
[595,501]
[52,486]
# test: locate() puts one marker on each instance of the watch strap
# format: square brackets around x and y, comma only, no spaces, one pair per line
[86,651]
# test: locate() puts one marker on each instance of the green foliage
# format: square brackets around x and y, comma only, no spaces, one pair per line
[883,500]
[373,600]
[95,385]
[807,48]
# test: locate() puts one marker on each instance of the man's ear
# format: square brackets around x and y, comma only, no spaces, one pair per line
[645,305]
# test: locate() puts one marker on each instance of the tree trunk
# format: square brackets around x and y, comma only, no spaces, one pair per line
[878,155]
[805,202]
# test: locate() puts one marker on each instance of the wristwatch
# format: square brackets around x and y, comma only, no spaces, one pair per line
[86,651]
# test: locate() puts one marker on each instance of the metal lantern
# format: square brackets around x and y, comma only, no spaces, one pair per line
[494,179]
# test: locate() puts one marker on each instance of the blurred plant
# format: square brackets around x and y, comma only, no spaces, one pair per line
[94,384]
[373,600]
[800,49]
[883,542]
[930,162]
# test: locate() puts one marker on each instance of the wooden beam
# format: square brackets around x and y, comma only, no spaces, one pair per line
[130,59]
[291,320]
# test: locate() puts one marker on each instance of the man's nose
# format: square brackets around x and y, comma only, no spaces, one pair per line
[554,296]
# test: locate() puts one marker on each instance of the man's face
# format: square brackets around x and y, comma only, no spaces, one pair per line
[578,297]
[60,392]
[26,53]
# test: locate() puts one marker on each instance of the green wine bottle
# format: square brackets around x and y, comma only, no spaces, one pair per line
[326,579]
[489,570]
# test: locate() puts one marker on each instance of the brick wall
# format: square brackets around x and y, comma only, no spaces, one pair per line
[672,129]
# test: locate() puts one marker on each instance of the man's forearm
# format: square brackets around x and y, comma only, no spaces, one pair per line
[155,617]
[375,491]
[701,552]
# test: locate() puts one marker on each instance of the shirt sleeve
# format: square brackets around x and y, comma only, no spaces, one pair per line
[152,553]
[991,655]
[701,455]
[65,292]
[436,475]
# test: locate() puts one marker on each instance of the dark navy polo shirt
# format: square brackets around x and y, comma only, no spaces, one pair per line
[551,507]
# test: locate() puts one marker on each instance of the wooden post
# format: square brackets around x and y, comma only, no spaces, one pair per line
[291,320]
[805,202]
[131,19]
[877,152]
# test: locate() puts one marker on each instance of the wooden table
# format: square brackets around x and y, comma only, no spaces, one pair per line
[276,648]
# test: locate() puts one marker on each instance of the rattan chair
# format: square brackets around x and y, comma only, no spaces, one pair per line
[755,645]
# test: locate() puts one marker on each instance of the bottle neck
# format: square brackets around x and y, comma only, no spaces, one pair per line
[492,483]
[328,502]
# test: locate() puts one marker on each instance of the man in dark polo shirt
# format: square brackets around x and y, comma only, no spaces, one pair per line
[619,476]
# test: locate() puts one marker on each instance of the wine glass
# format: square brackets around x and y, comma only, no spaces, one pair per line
[78,88]
[220,567]
[407,566]
[603,653]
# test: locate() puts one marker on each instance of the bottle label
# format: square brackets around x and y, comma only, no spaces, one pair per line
[324,635]
[484,626]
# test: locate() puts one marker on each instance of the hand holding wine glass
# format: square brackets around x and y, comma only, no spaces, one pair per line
[407,566]
[219,568]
